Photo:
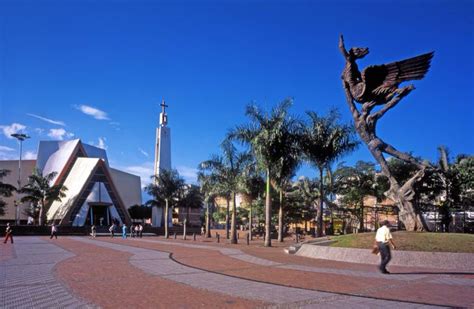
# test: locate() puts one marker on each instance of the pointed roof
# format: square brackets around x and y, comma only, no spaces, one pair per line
[80,182]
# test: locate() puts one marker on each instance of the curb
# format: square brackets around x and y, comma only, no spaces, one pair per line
[441,260]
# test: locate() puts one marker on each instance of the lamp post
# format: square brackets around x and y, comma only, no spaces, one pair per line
[20,137]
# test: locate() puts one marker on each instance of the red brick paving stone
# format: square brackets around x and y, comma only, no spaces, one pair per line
[105,277]
[217,262]
[6,251]
[456,296]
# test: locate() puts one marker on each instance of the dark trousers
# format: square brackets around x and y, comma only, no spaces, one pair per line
[9,235]
[54,234]
[385,255]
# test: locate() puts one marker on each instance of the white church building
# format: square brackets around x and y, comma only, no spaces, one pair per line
[96,193]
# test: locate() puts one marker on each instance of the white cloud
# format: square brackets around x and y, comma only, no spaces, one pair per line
[12,129]
[145,171]
[92,111]
[59,134]
[5,149]
[143,152]
[7,153]
[102,143]
[56,122]
[29,155]
[39,131]
[188,173]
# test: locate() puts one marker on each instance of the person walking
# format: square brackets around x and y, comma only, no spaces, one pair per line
[383,239]
[124,231]
[132,231]
[140,230]
[8,234]
[112,230]
[54,231]
[93,231]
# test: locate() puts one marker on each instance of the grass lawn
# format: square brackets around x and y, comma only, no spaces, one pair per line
[412,241]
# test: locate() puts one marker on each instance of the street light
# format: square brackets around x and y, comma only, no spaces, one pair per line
[20,137]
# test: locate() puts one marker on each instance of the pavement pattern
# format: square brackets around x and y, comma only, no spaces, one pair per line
[154,272]
[26,276]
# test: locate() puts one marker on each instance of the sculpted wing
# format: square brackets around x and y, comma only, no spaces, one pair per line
[382,79]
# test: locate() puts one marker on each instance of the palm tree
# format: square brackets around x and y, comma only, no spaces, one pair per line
[226,171]
[209,195]
[286,168]
[166,190]
[38,191]
[266,136]
[323,141]
[191,199]
[5,190]
[252,185]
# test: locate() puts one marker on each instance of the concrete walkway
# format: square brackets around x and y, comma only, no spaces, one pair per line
[26,276]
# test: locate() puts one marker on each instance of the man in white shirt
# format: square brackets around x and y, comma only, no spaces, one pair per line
[383,239]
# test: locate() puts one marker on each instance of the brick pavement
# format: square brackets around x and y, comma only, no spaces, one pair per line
[145,272]
[26,276]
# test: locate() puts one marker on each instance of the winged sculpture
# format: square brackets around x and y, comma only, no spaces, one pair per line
[379,83]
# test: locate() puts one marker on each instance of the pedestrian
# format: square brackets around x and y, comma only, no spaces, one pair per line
[93,231]
[132,231]
[112,230]
[383,239]
[124,231]
[202,230]
[8,234]
[140,230]
[54,231]
[355,225]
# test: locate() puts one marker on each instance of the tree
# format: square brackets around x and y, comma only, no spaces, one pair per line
[208,189]
[5,190]
[353,184]
[166,190]
[287,165]
[139,212]
[191,199]
[227,171]
[323,141]
[252,185]
[40,193]
[266,136]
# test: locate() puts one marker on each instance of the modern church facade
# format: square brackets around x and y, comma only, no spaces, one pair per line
[96,193]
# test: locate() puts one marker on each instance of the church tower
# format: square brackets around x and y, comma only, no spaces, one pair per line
[162,159]
[163,142]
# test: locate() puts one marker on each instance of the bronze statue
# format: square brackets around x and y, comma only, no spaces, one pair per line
[380,83]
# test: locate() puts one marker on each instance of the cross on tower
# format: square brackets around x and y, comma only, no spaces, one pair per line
[163,106]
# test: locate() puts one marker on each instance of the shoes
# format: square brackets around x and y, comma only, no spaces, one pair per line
[385,272]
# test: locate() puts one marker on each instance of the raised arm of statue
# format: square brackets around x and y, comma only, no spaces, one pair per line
[342,48]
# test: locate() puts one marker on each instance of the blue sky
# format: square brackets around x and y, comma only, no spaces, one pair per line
[97,70]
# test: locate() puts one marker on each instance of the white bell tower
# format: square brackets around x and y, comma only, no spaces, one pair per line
[162,157]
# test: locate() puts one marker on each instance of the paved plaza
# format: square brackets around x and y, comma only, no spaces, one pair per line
[152,272]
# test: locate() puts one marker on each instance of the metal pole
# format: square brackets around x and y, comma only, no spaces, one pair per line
[19,182]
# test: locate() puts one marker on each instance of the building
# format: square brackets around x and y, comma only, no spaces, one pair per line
[96,193]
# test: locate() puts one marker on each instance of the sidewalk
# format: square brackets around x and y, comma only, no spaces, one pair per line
[155,272]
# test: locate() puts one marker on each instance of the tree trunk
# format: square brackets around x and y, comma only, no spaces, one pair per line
[365,125]
[280,218]
[208,222]
[166,219]
[321,199]
[227,219]
[233,236]
[184,228]
[41,213]
[250,221]
[268,213]
[361,226]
